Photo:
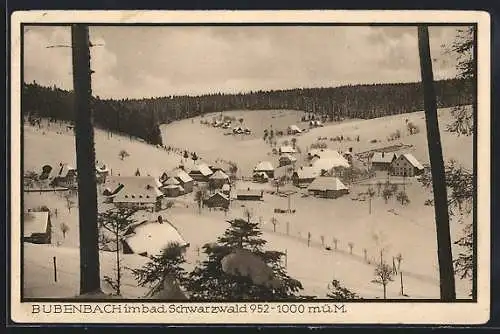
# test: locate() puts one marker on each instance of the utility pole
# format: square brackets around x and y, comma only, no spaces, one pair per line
[90,280]
[446,273]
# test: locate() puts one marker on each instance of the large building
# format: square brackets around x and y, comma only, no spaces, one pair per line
[135,192]
[327,187]
[406,165]
[201,172]
[382,161]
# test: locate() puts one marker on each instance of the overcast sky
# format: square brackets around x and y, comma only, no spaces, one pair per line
[139,62]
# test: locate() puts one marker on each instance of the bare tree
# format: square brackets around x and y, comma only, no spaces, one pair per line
[371,194]
[383,276]
[123,154]
[64,229]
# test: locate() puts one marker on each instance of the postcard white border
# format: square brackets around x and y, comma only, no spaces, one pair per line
[356,313]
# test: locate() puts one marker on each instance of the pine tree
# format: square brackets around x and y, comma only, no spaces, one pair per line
[338,292]
[210,281]
[164,269]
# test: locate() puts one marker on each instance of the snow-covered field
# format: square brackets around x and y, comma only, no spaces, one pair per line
[408,230]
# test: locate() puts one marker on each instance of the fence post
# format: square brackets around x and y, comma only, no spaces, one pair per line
[308,239]
[55,268]
[322,240]
[286,258]
[287,228]
[365,254]
[401,279]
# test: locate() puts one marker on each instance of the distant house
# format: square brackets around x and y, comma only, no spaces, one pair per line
[37,227]
[315,123]
[406,165]
[201,172]
[135,192]
[102,172]
[64,176]
[293,130]
[217,200]
[249,194]
[172,187]
[322,165]
[150,237]
[185,181]
[286,149]
[218,179]
[218,166]
[286,160]
[327,187]
[266,167]
[382,161]
[260,177]
[304,176]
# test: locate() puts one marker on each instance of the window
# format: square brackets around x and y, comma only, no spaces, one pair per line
[126,196]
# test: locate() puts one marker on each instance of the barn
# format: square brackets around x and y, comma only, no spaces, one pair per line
[327,187]
[286,149]
[249,194]
[217,200]
[201,172]
[293,129]
[406,165]
[185,181]
[304,176]
[37,227]
[265,167]
[65,176]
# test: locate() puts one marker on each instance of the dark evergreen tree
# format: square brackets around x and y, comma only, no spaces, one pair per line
[210,281]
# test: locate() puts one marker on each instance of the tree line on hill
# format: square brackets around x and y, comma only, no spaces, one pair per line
[141,117]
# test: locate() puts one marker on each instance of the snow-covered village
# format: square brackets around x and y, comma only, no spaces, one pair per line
[248,163]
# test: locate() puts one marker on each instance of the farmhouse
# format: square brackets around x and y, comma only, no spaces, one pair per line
[185,181]
[322,165]
[286,160]
[266,167]
[406,165]
[37,227]
[65,176]
[135,192]
[201,172]
[327,187]
[304,176]
[172,187]
[382,161]
[249,194]
[218,179]
[150,237]
[217,200]
[315,154]
[293,130]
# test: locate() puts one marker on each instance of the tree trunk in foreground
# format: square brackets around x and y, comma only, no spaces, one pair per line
[90,280]
[446,273]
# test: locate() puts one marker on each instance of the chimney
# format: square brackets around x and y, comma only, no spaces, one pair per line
[160,219]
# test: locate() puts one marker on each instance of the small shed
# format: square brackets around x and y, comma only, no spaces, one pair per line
[37,227]
[286,149]
[249,194]
[293,129]
[217,200]
[327,187]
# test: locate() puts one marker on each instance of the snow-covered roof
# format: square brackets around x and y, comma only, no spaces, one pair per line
[35,222]
[140,189]
[329,163]
[219,175]
[294,127]
[307,173]
[411,159]
[102,168]
[288,157]
[174,186]
[151,237]
[264,166]
[180,174]
[171,181]
[287,149]
[324,183]
[249,192]
[219,194]
[203,169]
[381,157]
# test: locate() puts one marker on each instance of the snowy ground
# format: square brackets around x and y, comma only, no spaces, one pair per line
[408,230]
